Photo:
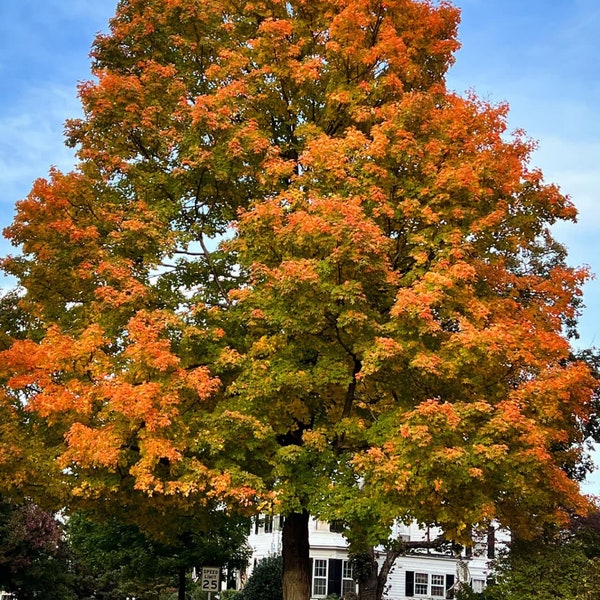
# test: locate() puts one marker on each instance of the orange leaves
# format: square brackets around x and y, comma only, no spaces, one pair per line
[106,403]
[201,380]
[276,28]
[148,344]
[91,447]
[53,218]
[48,373]
[290,274]
[153,449]
[118,287]
[144,100]
[391,35]
[459,460]
[434,410]
[335,229]
[142,403]
[316,440]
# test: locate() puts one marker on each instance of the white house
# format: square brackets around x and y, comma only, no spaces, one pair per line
[426,574]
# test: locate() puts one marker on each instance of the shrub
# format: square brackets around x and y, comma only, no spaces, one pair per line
[265,581]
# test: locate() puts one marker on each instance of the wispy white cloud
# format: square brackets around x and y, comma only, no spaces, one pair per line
[31,138]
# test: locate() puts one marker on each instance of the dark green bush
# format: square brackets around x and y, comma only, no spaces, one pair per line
[265,581]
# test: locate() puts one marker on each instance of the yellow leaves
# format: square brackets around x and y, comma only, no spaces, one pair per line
[264,346]
[316,440]
[380,355]
[492,452]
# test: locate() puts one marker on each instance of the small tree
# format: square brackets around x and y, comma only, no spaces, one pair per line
[34,557]
[562,564]
[114,559]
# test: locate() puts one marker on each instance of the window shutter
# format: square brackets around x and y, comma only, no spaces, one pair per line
[410,584]
[334,577]
[491,542]
[449,584]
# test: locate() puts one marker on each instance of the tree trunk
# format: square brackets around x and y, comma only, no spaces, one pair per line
[373,580]
[181,587]
[367,586]
[296,558]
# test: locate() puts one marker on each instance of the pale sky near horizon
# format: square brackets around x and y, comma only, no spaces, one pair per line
[540,56]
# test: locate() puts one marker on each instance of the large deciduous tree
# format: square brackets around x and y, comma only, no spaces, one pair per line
[293,271]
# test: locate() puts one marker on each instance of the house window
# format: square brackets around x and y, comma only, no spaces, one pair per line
[421,584]
[437,586]
[320,577]
[348,583]
[336,526]
[265,522]
[478,585]
[429,585]
[268,523]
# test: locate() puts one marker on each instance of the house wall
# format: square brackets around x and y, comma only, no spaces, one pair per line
[424,575]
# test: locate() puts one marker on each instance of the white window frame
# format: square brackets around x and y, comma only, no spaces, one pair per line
[268,524]
[439,585]
[320,573]
[425,586]
[348,583]
[421,584]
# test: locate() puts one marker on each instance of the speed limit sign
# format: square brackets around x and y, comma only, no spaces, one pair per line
[210,579]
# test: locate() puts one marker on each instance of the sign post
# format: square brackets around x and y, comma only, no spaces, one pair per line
[210,579]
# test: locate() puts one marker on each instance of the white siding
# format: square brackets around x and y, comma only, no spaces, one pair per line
[325,545]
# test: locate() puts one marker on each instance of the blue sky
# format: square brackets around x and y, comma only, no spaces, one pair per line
[541,56]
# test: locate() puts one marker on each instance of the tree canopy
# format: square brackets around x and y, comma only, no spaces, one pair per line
[293,271]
